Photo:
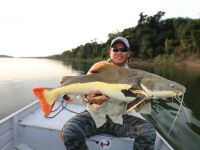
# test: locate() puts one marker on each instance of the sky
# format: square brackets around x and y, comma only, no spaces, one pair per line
[48,27]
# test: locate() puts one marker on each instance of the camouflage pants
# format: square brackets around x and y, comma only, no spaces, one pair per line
[82,126]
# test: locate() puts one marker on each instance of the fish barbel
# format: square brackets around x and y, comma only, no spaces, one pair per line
[129,85]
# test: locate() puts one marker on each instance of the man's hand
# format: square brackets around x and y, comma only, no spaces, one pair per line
[96,98]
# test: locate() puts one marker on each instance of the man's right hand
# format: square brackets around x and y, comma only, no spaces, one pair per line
[96,98]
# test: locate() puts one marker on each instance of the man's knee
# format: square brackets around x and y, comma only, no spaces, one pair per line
[146,138]
[72,131]
[78,128]
[148,132]
[72,136]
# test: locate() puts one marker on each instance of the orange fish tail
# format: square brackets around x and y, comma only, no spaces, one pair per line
[46,108]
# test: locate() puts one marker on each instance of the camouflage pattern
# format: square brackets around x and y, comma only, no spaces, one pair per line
[82,126]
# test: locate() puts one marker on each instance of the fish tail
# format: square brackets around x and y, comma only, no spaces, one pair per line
[45,102]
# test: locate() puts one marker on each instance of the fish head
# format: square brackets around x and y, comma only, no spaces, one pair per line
[159,87]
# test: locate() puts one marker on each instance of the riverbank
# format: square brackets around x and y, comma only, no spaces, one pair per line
[180,62]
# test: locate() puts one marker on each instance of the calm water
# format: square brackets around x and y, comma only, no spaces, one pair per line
[18,77]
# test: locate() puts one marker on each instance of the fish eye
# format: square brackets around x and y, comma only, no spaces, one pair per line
[171,85]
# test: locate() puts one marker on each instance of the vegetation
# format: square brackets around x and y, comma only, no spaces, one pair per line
[151,39]
[5,56]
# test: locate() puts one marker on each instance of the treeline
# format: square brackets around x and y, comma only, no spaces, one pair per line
[151,38]
[5,56]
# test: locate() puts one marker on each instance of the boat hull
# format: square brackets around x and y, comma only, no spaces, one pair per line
[28,129]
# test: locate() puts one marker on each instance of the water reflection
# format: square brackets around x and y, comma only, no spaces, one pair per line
[183,136]
[195,128]
[82,67]
[20,75]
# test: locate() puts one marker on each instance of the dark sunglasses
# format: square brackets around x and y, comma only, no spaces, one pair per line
[121,49]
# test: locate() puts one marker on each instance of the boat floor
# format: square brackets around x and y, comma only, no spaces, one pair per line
[37,119]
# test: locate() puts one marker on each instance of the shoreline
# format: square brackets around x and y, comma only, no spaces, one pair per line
[186,63]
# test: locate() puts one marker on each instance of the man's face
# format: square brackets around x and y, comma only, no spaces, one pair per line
[119,54]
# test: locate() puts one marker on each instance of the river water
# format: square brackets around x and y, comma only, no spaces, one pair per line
[18,76]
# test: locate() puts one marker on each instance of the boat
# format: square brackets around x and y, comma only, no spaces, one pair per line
[28,129]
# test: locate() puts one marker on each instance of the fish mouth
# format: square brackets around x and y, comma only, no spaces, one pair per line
[179,92]
[163,94]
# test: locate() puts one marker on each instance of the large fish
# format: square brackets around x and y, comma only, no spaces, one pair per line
[129,85]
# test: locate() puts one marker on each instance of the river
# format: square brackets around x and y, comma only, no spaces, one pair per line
[18,76]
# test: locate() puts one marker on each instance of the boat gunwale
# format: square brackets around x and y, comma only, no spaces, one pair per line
[18,112]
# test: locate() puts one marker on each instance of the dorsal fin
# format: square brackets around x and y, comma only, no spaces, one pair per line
[66,78]
[99,66]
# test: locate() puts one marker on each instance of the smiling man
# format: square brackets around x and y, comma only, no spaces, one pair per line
[105,115]
[119,52]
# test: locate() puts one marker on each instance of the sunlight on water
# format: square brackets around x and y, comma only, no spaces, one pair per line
[19,76]
[21,69]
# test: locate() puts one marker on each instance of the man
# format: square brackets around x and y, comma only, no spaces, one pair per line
[109,117]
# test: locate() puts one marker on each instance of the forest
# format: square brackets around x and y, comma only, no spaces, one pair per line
[153,38]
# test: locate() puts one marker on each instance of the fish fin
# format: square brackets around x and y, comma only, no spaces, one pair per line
[133,104]
[66,78]
[144,108]
[99,66]
[46,107]
[128,93]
